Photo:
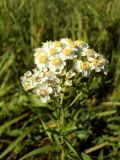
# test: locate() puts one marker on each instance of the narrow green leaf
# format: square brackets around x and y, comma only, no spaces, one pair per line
[86,157]
[107,113]
[45,128]
[75,100]
[14,144]
[72,149]
[94,148]
[70,127]
[114,127]
[101,156]
[44,149]
[57,141]
[7,124]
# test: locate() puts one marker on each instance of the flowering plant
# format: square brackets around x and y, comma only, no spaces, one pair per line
[60,65]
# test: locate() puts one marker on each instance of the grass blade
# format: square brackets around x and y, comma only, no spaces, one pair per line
[14,144]
[86,157]
[72,149]
[7,124]
[44,149]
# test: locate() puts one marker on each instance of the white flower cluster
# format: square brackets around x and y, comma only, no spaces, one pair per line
[57,64]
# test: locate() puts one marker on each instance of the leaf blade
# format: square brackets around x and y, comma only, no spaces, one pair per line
[44,149]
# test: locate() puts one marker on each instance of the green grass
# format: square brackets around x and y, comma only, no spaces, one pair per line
[24,25]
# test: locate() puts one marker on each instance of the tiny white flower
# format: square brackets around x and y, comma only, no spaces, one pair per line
[27,74]
[27,85]
[81,45]
[41,60]
[97,64]
[64,41]
[68,83]
[68,53]
[38,77]
[45,99]
[70,74]
[52,52]
[49,75]
[27,81]
[58,45]
[83,67]
[68,43]
[55,85]
[38,50]
[44,92]
[47,45]
[90,54]
[56,64]
[57,91]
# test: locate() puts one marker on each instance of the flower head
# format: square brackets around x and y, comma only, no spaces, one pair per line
[68,53]
[27,81]
[83,67]
[44,93]
[57,65]
[41,59]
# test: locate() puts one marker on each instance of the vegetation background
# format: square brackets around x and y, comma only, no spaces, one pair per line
[24,24]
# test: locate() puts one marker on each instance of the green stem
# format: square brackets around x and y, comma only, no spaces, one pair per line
[62,127]
[76,98]
[62,130]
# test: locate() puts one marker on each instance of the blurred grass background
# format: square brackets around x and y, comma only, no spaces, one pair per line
[24,25]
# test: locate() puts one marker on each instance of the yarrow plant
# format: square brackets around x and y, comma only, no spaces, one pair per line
[58,64]
[59,68]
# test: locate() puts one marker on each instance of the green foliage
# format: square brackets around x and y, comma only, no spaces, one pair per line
[41,150]
[92,127]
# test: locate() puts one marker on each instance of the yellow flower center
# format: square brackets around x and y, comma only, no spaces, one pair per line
[67,52]
[78,42]
[43,59]
[58,44]
[37,79]
[26,85]
[96,62]
[104,61]
[70,43]
[56,61]
[89,52]
[53,51]
[47,73]
[51,83]
[84,65]
[43,92]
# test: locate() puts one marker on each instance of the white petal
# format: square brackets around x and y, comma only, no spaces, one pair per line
[90,58]
[98,69]
[102,67]
[85,73]
[49,90]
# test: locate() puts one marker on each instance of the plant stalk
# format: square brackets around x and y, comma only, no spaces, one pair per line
[62,128]
[62,132]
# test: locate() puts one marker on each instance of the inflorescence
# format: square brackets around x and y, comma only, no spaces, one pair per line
[58,63]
